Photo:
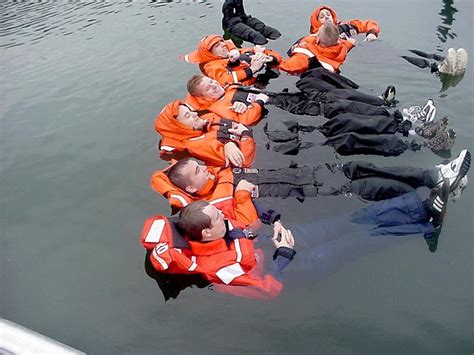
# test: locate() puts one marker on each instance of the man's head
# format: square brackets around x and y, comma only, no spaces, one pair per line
[325,16]
[202,86]
[190,118]
[220,49]
[188,175]
[328,35]
[202,221]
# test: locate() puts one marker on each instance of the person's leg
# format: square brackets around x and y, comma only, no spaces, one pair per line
[362,124]
[354,95]
[299,182]
[266,31]
[413,176]
[247,33]
[336,107]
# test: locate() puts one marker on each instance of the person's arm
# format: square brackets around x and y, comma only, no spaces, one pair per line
[220,71]
[246,142]
[210,147]
[296,64]
[366,26]
[245,211]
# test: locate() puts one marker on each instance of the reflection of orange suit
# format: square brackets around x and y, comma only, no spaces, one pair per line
[223,262]
[307,48]
[361,26]
[222,107]
[207,145]
[221,69]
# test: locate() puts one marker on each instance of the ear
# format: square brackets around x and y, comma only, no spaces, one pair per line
[190,189]
[206,234]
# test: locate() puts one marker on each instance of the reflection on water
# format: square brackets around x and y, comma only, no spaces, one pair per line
[447,18]
[30,22]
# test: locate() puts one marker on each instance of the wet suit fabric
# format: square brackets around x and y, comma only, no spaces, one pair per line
[299,182]
[379,183]
[244,26]
[300,103]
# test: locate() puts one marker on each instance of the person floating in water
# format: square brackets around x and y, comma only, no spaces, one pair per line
[347,29]
[223,62]
[239,26]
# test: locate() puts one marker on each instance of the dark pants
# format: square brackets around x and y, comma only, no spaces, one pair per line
[325,246]
[366,180]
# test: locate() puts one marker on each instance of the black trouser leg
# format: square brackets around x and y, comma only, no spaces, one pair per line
[354,95]
[299,182]
[336,107]
[363,124]
[415,177]
[247,33]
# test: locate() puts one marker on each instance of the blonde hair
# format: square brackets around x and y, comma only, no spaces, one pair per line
[328,34]
[193,84]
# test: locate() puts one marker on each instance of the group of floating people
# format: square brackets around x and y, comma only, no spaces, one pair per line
[213,187]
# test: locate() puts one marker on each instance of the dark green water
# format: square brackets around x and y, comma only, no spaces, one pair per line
[81,86]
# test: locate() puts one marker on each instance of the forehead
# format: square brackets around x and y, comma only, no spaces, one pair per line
[182,110]
[211,211]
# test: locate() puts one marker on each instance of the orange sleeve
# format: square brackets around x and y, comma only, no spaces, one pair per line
[346,44]
[219,71]
[274,54]
[252,115]
[245,211]
[296,64]
[208,149]
[366,26]
[247,146]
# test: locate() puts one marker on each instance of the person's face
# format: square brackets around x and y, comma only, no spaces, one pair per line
[220,50]
[325,16]
[217,229]
[210,88]
[197,174]
[190,118]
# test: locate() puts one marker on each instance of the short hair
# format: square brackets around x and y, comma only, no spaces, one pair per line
[329,34]
[193,84]
[176,176]
[192,220]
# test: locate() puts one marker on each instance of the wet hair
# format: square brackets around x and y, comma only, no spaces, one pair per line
[328,34]
[176,176]
[192,220]
[193,84]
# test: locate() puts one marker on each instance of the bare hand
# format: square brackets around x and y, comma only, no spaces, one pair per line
[238,128]
[245,185]
[353,41]
[257,61]
[370,37]
[286,238]
[233,155]
[258,48]
[234,55]
[239,107]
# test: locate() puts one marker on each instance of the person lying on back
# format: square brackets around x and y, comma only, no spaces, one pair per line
[223,62]
[322,49]
[215,140]
[234,103]
[347,29]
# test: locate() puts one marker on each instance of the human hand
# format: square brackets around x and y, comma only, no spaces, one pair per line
[245,185]
[239,107]
[233,154]
[258,48]
[286,237]
[234,55]
[258,59]
[370,37]
[262,97]
[353,41]
[238,128]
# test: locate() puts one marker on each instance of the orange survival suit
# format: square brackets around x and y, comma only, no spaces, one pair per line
[221,69]
[206,145]
[349,28]
[222,107]
[225,262]
[304,52]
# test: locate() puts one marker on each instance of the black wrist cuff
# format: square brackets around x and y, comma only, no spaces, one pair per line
[285,252]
